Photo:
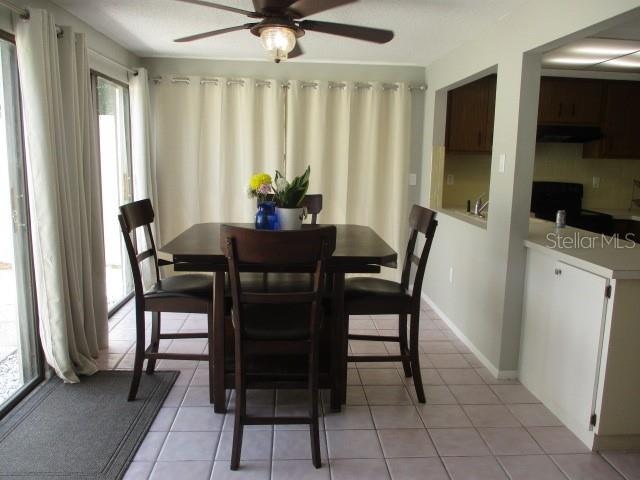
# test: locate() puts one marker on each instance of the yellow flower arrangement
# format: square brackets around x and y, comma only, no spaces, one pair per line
[260,186]
[258,180]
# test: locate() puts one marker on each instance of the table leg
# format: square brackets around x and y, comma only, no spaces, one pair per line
[218,343]
[340,341]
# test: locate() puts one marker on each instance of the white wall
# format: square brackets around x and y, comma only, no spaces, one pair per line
[485,300]
[95,40]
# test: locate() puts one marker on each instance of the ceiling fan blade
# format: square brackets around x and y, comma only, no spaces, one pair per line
[213,33]
[223,7]
[306,8]
[367,34]
[272,6]
[297,51]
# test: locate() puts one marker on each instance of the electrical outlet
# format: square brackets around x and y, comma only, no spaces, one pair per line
[413,179]
[450,274]
[450,179]
[596,182]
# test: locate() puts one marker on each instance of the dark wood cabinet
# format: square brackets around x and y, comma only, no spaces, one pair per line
[570,101]
[620,122]
[470,116]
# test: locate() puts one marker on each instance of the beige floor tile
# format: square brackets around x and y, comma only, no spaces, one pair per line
[589,466]
[197,419]
[249,470]
[460,376]
[257,410]
[430,376]
[417,468]
[557,440]
[363,347]
[256,445]
[490,416]
[355,395]
[474,468]
[175,397]
[353,444]
[448,360]
[138,471]
[489,379]
[461,347]
[402,443]
[353,377]
[531,467]
[436,346]
[514,394]
[434,336]
[380,377]
[458,442]
[189,446]
[197,397]
[363,323]
[628,464]
[296,445]
[510,441]
[150,447]
[437,395]
[164,419]
[474,394]
[443,416]
[351,417]
[194,470]
[359,469]
[393,416]
[298,470]
[472,360]
[387,395]
[534,415]
[389,323]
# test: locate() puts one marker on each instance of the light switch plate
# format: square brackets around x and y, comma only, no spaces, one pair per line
[503,162]
[596,182]
[450,179]
[413,179]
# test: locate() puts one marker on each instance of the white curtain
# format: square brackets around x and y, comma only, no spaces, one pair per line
[211,136]
[141,139]
[356,137]
[65,196]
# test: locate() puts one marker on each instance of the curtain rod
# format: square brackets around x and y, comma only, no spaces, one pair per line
[286,84]
[110,60]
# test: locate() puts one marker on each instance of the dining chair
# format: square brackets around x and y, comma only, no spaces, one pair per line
[377,296]
[189,293]
[270,325]
[313,203]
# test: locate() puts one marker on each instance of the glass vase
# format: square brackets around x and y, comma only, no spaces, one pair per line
[266,218]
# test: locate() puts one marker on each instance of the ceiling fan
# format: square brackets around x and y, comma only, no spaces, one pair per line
[281,25]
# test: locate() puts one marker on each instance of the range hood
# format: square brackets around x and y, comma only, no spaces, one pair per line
[567,134]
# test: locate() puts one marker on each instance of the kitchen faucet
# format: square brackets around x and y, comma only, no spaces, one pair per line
[480,207]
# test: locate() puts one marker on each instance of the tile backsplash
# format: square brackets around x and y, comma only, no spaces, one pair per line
[554,162]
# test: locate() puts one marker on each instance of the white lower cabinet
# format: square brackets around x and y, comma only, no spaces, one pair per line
[562,336]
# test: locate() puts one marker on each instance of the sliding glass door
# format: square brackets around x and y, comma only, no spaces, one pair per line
[117,187]
[20,367]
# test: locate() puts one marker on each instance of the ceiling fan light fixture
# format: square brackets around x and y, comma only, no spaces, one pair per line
[278,41]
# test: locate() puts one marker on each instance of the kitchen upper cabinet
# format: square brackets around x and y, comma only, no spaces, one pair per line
[570,101]
[620,120]
[470,116]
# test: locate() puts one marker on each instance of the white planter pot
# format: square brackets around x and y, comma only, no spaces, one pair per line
[290,218]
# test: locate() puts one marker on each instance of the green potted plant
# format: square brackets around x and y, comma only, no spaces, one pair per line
[288,197]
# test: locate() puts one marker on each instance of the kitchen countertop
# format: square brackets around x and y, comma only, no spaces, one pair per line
[586,250]
[621,213]
[462,214]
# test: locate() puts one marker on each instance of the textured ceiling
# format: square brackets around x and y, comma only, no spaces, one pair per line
[425,29]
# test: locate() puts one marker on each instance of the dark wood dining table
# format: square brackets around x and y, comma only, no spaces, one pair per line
[359,249]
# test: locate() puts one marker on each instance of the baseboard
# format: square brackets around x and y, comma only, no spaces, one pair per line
[620,443]
[499,374]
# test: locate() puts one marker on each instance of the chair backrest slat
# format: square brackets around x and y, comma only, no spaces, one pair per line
[421,221]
